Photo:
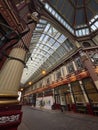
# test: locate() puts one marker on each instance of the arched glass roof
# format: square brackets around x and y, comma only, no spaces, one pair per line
[48,46]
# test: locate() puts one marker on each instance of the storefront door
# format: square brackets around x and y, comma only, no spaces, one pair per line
[68,101]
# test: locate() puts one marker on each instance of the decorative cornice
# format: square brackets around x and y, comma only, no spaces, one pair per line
[9,15]
[9,102]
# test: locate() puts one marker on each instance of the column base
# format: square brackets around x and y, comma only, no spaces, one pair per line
[89,108]
[10,116]
[73,108]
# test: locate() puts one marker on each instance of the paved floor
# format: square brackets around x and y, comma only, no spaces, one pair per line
[34,119]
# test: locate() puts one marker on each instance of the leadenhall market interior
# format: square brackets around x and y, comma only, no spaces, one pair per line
[48,57]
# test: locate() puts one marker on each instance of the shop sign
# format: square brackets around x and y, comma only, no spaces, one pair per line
[9,119]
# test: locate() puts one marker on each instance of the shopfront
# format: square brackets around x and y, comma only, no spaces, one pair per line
[79,97]
[63,97]
[92,93]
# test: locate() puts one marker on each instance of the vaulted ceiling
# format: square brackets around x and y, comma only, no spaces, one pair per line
[80,17]
[49,46]
[76,12]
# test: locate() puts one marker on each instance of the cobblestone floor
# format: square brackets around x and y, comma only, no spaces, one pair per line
[36,119]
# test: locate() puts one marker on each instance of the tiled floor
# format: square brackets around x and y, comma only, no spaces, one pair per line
[35,119]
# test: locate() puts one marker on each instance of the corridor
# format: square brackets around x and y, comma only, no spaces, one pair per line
[35,119]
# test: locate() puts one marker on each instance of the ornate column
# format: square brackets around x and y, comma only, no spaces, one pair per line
[10,76]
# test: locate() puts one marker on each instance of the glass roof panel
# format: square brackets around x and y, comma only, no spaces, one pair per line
[48,45]
[45,51]
[57,35]
[51,41]
[82,16]
[55,45]
[47,27]
[61,39]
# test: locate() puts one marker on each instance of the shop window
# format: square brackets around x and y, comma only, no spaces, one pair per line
[91,90]
[64,89]
[79,97]
[57,96]
[40,94]
[48,92]
[56,91]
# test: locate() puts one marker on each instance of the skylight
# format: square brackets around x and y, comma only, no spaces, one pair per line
[79,31]
[43,48]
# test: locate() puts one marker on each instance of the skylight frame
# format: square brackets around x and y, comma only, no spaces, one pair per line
[37,57]
[78,31]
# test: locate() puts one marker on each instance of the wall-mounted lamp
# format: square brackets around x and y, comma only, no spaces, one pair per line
[30,83]
[43,72]
[21,89]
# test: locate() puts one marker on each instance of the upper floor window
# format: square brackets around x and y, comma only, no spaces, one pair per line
[70,68]
[58,74]
[48,81]
[40,84]
[35,86]
[78,63]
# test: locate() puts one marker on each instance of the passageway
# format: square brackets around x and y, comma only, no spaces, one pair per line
[36,119]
